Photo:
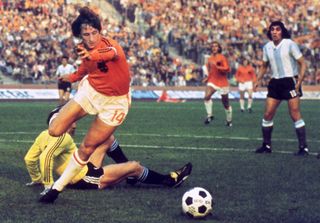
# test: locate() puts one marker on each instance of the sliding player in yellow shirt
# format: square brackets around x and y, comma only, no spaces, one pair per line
[51,154]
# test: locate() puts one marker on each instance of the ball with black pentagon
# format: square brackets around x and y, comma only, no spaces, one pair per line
[197,202]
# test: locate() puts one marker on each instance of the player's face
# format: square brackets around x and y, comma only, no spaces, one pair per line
[90,36]
[276,33]
[64,61]
[215,48]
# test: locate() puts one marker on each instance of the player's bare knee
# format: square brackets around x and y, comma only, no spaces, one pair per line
[53,131]
[136,167]
[85,151]
[134,164]
[268,115]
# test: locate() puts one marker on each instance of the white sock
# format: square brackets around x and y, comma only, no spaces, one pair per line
[242,104]
[229,113]
[75,165]
[208,106]
[249,102]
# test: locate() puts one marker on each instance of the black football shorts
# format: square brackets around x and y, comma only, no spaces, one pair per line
[283,88]
[65,86]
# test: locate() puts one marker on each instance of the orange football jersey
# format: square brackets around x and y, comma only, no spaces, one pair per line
[107,69]
[218,67]
[245,73]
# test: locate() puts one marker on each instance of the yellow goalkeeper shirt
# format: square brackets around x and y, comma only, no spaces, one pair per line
[50,154]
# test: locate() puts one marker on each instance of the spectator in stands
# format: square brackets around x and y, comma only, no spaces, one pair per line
[189,32]
[191,36]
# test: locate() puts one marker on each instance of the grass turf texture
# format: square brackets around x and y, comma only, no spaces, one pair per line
[246,187]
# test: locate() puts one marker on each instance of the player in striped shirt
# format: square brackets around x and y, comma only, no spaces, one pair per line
[245,76]
[288,69]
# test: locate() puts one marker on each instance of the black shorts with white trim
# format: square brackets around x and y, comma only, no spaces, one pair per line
[283,88]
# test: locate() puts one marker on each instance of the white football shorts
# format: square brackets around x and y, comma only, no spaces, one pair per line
[248,85]
[112,110]
[220,90]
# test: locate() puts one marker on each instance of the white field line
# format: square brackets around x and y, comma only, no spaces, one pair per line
[177,136]
[222,149]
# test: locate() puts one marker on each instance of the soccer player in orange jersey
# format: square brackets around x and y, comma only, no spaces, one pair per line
[246,76]
[217,68]
[103,91]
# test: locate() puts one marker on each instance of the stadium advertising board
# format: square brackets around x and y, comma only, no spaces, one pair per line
[50,94]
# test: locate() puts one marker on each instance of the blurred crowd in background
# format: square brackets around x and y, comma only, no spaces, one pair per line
[166,42]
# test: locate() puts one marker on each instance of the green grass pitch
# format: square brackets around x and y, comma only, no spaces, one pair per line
[246,187]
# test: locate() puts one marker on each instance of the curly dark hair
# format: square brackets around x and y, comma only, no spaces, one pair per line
[219,45]
[285,32]
[87,16]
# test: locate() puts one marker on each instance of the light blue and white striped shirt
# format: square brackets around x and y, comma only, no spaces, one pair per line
[282,58]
